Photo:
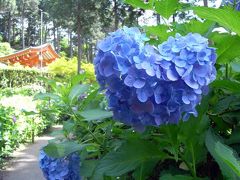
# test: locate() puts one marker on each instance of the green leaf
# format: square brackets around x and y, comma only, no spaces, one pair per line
[46,96]
[62,149]
[161,31]
[226,51]
[140,3]
[226,17]
[78,90]
[128,157]
[223,104]
[166,8]
[225,156]
[87,167]
[232,86]
[144,170]
[68,126]
[95,114]
[194,26]
[234,138]
[177,177]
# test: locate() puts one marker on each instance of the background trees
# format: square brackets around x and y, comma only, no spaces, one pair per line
[72,26]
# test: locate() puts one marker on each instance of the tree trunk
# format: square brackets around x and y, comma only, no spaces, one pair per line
[70,44]
[46,34]
[116,20]
[205,3]
[79,44]
[9,27]
[86,50]
[58,40]
[23,37]
[158,19]
[91,52]
[54,37]
[13,33]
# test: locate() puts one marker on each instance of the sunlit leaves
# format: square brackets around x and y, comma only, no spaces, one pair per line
[225,17]
[166,8]
[227,47]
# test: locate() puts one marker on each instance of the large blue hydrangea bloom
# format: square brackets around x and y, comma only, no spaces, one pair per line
[67,168]
[146,85]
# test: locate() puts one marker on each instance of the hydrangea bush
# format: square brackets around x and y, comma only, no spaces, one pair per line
[66,168]
[148,85]
[159,81]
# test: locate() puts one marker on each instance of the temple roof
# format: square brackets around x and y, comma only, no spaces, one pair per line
[32,56]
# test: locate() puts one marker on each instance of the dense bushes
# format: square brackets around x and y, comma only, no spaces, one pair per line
[17,77]
[5,49]
[20,118]
[16,127]
[9,137]
[63,69]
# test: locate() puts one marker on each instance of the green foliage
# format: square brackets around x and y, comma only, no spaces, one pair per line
[165,8]
[188,150]
[226,51]
[9,138]
[62,149]
[18,77]
[225,156]
[5,49]
[227,17]
[64,69]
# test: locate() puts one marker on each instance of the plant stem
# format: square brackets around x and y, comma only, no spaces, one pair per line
[226,71]
[194,162]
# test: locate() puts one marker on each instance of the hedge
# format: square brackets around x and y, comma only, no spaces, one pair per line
[18,77]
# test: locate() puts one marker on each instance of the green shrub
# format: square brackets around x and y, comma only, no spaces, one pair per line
[65,68]
[27,90]
[5,49]
[18,77]
[9,138]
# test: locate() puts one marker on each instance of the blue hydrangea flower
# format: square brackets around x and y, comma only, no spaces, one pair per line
[60,168]
[149,86]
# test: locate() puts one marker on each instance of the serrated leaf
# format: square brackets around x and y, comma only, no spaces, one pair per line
[225,156]
[226,51]
[77,90]
[226,17]
[128,157]
[166,8]
[95,114]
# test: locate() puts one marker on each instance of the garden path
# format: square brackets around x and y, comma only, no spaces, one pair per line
[24,165]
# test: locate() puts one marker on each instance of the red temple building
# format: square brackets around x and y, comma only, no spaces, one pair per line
[32,56]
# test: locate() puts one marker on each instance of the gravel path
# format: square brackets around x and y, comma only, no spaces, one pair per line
[24,165]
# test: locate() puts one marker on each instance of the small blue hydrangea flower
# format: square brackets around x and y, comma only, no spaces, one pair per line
[60,168]
[149,86]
